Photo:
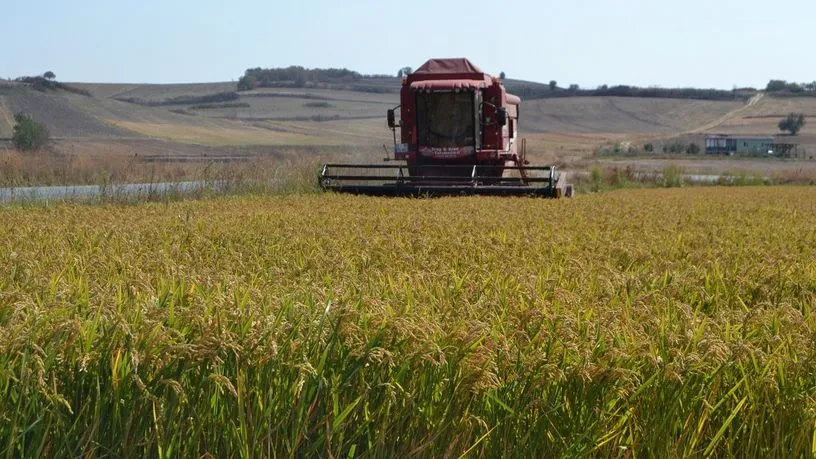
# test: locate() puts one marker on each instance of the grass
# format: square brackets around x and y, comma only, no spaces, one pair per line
[161,181]
[216,134]
[614,177]
[671,322]
[6,120]
[220,132]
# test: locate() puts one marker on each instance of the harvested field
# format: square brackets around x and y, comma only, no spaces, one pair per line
[621,115]
[642,322]
[61,118]
[154,91]
[305,109]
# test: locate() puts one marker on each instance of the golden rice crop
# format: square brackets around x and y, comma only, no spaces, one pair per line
[640,322]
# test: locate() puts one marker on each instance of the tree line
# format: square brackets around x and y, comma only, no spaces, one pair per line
[297,76]
[653,92]
[786,88]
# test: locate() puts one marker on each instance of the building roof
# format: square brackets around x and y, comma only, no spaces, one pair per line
[740,137]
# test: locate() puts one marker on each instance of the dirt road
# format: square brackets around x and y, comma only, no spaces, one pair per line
[728,116]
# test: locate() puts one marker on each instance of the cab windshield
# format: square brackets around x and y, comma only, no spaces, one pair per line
[446,119]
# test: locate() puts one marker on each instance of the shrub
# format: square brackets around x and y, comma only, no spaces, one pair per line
[792,123]
[219,106]
[226,96]
[247,82]
[45,84]
[622,177]
[673,176]
[318,105]
[692,148]
[595,179]
[28,134]
[648,148]
[181,111]
[675,146]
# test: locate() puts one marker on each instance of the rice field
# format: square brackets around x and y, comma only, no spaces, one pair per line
[635,323]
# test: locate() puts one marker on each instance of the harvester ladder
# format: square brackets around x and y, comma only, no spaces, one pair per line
[521,161]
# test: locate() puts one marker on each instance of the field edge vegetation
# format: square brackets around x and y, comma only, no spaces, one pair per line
[656,323]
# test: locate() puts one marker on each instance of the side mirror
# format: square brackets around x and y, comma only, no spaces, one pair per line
[391,120]
[501,116]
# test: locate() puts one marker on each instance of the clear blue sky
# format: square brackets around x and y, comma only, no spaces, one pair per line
[703,43]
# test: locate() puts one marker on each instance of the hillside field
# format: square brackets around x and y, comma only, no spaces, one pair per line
[313,124]
[658,323]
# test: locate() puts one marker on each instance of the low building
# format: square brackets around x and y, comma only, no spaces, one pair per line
[739,144]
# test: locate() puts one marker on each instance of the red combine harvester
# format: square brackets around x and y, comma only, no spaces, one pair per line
[458,135]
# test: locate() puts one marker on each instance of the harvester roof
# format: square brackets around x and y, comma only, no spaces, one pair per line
[455,65]
[448,69]
[450,75]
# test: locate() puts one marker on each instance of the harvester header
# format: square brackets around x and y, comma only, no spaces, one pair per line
[458,134]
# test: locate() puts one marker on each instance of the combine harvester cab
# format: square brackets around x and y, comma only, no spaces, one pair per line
[458,134]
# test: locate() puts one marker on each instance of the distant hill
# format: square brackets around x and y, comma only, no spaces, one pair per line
[344,79]
[215,115]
